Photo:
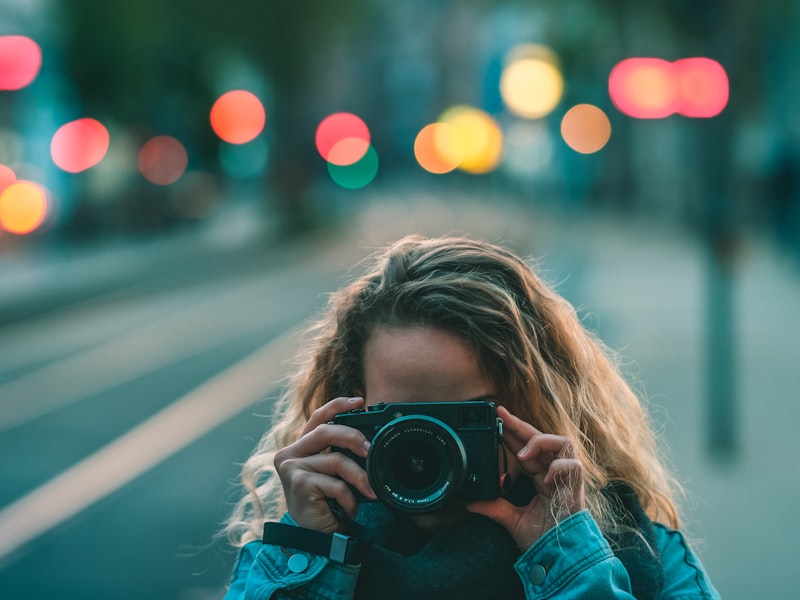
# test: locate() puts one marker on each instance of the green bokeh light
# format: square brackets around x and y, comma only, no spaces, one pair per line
[357,175]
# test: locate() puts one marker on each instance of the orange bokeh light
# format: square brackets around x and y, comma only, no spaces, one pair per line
[20,61]
[585,128]
[333,134]
[238,117]
[348,151]
[79,145]
[23,207]
[427,153]
[163,160]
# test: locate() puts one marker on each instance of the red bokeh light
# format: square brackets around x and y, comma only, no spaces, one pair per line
[238,117]
[653,88]
[643,88]
[20,61]
[703,87]
[79,145]
[342,138]
[162,160]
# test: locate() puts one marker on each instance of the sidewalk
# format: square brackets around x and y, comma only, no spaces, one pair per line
[645,292]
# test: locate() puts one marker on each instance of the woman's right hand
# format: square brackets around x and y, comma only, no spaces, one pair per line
[311,475]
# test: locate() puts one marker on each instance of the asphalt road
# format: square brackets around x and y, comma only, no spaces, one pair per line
[110,491]
[128,402]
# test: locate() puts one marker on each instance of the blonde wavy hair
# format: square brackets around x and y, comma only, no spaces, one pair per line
[547,368]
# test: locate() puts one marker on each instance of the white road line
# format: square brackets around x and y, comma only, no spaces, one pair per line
[165,433]
[173,337]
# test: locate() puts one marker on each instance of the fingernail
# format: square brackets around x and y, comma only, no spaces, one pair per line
[355,400]
[366,446]
[523,452]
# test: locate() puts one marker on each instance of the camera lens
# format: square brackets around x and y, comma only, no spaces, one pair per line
[416,463]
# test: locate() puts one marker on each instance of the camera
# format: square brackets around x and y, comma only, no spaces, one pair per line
[424,455]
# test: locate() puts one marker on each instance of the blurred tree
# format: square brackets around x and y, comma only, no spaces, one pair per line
[147,64]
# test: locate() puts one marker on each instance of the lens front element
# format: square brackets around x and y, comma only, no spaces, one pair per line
[416,463]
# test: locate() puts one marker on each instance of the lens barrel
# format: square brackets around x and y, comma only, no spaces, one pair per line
[416,463]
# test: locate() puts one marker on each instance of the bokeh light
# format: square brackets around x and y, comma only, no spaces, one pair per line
[20,61]
[162,160]
[531,83]
[643,88]
[348,151]
[653,88]
[358,174]
[79,145]
[426,150]
[703,87]
[23,207]
[7,177]
[476,141]
[342,138]
[585,128]
[238,117]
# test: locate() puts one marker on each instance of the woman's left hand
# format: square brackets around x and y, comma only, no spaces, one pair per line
[558,476]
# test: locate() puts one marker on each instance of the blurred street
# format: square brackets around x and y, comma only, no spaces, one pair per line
[135,381]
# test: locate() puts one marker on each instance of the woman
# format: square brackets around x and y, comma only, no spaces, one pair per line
[586,507]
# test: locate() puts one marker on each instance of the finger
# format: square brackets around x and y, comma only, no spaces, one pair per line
[556,445]
[308,491]
[515,431]
[338,465]
[565,471]
[327,411]
[322,438]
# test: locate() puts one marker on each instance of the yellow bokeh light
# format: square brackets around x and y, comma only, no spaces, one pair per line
[474,140]
[23,207]
[585,128]
[531,84]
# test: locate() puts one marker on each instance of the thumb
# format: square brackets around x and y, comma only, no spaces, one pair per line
[499,510]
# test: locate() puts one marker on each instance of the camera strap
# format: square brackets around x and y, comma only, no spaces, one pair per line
[338,547]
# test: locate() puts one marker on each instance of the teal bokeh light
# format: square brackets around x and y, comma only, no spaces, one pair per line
[357,175]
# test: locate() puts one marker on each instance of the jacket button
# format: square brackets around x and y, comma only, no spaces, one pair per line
[538,574]
[297,563]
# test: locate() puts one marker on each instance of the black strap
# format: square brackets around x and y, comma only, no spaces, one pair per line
[338,547]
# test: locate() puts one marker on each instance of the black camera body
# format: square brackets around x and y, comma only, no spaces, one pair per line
[424,455]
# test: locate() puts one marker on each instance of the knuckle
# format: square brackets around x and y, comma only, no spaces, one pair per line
[284,468]
[279,458]
[299,479]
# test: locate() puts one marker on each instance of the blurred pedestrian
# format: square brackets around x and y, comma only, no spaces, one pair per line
[583,506]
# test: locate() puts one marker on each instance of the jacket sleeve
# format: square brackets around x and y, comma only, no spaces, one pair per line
[684,575]
[574,561]
[262,572]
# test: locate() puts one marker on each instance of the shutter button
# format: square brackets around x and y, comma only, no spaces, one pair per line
[538,574]
[297,563]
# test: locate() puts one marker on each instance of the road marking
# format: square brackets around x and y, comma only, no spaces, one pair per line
[221,398]
[176,336]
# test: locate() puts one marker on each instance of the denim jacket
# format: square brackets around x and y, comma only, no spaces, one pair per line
[580,564]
